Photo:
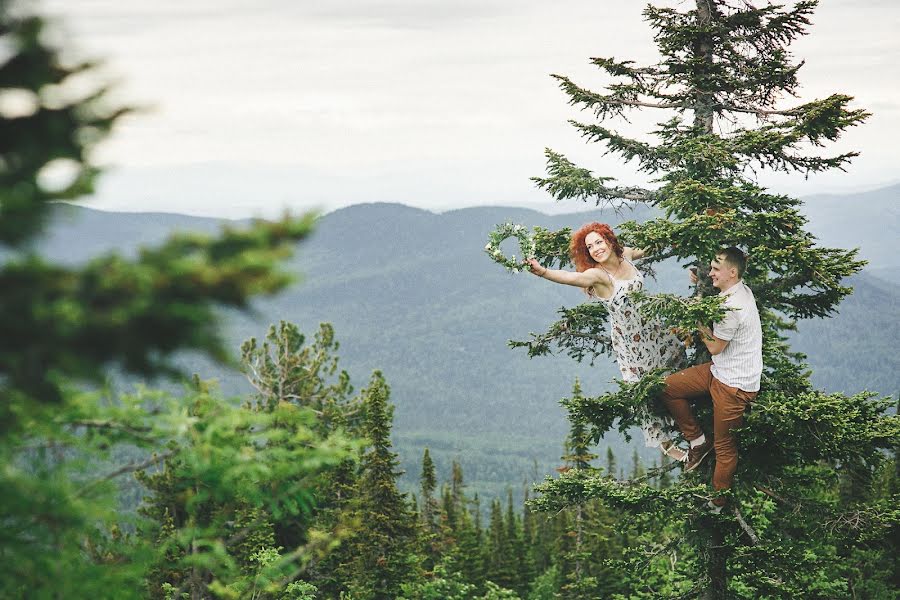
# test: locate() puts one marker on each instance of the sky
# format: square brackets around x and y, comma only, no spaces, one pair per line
[251,108]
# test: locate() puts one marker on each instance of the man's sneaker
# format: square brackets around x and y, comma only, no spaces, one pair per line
[714,508]
[696,455]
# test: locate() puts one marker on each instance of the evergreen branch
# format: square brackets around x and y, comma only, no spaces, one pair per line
[129,468]
[755,110]
[651,158]
[577,486]
[135,312]
[679,313]
[624,68]
[606,105]
[777,497]
[552,247]
[653,473]
[866,518]
[582,331]
[133,431]
[623,405]
[566,180]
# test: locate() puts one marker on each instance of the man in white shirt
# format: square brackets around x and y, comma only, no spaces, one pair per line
[731,379]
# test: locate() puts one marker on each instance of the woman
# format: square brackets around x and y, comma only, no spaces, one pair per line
[640,345]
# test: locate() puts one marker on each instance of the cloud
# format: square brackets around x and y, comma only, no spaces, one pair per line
[411,86]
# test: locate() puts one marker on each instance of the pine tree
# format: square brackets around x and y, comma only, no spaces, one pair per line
[287,368]
[478,571]
[384,546]
[457,484]
[518,552]
[430,513]
[723,82]
[610,462]
[500,566]
[579,584]
[637,467]
[527,569]
[465,554]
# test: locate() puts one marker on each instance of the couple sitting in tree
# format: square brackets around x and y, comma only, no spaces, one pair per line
[605,272]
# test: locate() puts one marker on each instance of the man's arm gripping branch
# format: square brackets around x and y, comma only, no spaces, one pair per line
[713,344]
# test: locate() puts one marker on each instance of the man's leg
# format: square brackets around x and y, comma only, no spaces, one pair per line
[728,413]
[680,386]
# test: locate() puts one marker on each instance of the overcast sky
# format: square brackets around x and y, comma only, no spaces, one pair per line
[255,106]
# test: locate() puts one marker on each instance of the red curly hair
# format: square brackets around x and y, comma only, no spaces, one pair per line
[578,248]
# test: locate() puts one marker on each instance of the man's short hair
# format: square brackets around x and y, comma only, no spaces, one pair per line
[734,257]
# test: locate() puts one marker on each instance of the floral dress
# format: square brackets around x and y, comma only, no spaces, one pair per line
[641,345]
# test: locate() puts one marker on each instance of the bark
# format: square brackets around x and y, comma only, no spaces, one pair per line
[703,99]
[716,556]
[718,585]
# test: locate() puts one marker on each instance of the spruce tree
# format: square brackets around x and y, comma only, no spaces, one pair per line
[518,552]
[610,463]
[579,584]
[430,513]
[723,88]
[501,565]
[384,545]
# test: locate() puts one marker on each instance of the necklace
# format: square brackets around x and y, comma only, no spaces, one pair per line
[615,273]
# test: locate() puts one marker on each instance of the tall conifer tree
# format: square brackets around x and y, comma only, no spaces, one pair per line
[384,545]
[723,87]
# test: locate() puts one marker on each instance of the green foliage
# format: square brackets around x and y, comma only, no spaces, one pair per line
[582,332]
[56,131]
[232,473]
[441,586]
[66,327]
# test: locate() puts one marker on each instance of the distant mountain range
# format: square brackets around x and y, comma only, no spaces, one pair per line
[411,293]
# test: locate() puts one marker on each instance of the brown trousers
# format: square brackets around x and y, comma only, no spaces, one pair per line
[728,413]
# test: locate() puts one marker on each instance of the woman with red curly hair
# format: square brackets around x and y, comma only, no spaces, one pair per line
[640,345]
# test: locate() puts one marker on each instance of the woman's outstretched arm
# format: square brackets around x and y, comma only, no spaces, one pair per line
[586,279]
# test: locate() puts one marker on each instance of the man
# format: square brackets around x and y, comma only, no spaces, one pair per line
[731,379]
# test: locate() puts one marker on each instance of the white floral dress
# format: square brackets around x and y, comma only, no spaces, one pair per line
[641,345]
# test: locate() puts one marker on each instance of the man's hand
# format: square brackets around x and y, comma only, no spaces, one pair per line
[713,344]
[692,275]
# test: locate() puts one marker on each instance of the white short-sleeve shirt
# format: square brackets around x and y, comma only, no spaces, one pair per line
[740,363]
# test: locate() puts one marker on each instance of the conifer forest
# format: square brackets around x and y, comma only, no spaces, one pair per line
[167,488]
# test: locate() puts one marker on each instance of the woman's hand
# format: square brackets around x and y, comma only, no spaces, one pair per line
[633,253]
[535,267]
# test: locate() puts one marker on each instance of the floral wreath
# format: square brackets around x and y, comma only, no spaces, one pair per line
[504,232]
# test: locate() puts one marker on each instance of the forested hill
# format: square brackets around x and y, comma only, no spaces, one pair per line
[412,293]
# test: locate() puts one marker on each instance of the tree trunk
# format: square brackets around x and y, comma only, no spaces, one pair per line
[578,543]
[716,561]
[704,101]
